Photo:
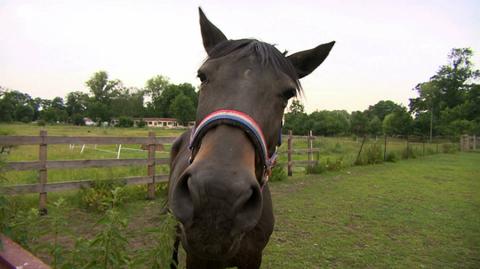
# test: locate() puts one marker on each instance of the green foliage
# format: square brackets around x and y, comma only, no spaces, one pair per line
[449,100]
[109,246]
[278,173]
[41,123]
[141,123]
[100,194]
[391,157]
[408,153]
[125,122]
[449,148]
[160,255]
[77,119]
[182,108]
[398,122]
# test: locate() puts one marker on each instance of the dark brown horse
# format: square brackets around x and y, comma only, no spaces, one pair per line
[217,187]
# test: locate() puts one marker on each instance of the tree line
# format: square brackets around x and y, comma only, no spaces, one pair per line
[107,99]
[448,105]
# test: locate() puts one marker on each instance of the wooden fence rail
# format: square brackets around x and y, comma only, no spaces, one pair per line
[43,165]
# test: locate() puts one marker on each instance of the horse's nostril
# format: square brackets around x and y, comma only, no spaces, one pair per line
[248,209]
[182,204]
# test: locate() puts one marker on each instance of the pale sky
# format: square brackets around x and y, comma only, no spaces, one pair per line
[384,48]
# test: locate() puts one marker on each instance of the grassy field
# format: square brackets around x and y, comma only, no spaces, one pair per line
[416,213]
[335,149]
[422,213]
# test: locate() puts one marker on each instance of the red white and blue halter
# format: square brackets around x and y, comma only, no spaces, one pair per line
[246,123]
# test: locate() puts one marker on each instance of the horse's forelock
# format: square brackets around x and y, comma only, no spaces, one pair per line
[268,55]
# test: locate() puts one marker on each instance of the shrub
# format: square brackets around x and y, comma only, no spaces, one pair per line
[318,168]
[408,153]
[374,154]
[125,122]
[141,124]
[41,123]
[99,195]
[78,120]
[449,148]
[278,173]
[391,157]
[334,165]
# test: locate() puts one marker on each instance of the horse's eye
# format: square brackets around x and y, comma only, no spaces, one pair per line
[202,77]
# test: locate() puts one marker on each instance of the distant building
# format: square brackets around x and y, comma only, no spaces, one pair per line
[155,122]
[165,123]
[89,122]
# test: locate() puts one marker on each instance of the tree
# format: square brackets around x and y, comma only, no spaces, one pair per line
[398,122]
[297,120]
[446,96]
[359,123]
[182,109]
[102,88]
[296,107]
[375,126]
[382,109]
[76,103]
[155,86]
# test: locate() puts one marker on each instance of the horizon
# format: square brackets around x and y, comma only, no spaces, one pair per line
[382,49]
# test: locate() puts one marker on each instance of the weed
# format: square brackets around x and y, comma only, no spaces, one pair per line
[278,173]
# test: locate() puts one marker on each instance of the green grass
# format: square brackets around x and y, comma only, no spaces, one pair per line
[418,213]
[422,213]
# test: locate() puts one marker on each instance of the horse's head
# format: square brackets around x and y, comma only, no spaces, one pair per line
[219,197]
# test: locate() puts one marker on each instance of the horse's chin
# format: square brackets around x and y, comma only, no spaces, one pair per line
[220,248]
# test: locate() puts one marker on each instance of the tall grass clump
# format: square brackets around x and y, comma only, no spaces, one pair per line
[278,173]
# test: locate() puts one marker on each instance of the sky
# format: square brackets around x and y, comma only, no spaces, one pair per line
[383,48]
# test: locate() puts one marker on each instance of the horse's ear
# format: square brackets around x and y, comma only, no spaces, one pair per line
[211,35]
[306,61]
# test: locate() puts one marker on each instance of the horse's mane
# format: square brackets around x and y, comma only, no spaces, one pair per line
[267,54]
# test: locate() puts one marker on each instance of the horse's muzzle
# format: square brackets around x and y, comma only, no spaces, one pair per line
[216,204]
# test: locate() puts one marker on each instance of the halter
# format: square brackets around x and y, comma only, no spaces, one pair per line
[247,124]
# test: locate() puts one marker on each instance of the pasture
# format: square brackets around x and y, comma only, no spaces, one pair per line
[414,213]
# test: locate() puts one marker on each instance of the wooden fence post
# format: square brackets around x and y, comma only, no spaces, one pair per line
[310,149]
[423,146]
[408,149]
[474,142]
[357,161]
[385,149]
[42,172]
[151,166]
[289,153]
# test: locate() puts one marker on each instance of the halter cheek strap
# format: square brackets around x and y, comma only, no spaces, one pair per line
[246,123]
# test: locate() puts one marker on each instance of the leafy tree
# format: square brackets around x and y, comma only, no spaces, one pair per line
[382,109]
[76,103]
[449,98]
[155,86]
[182,109]
[101,87]
[125,122]
[297,120]
[359,123]
[375,126]
[398,122]
[296,107]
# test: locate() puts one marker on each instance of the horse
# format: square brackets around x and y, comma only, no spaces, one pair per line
[219,169]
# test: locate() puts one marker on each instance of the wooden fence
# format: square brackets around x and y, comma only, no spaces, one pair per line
[468,142]
[43,165]
[309,150]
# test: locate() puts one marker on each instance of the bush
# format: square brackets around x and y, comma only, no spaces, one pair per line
[278,173]
[125,122]
[141,124]
[374,154]
[335,165]
[449,148]
[41,123]
[99,195]
[78,120]
[391,157]
[318,168]
[408,153]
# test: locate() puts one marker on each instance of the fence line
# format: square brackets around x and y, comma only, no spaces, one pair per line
[43,164]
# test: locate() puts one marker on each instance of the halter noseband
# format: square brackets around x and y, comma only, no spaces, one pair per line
[247,124]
